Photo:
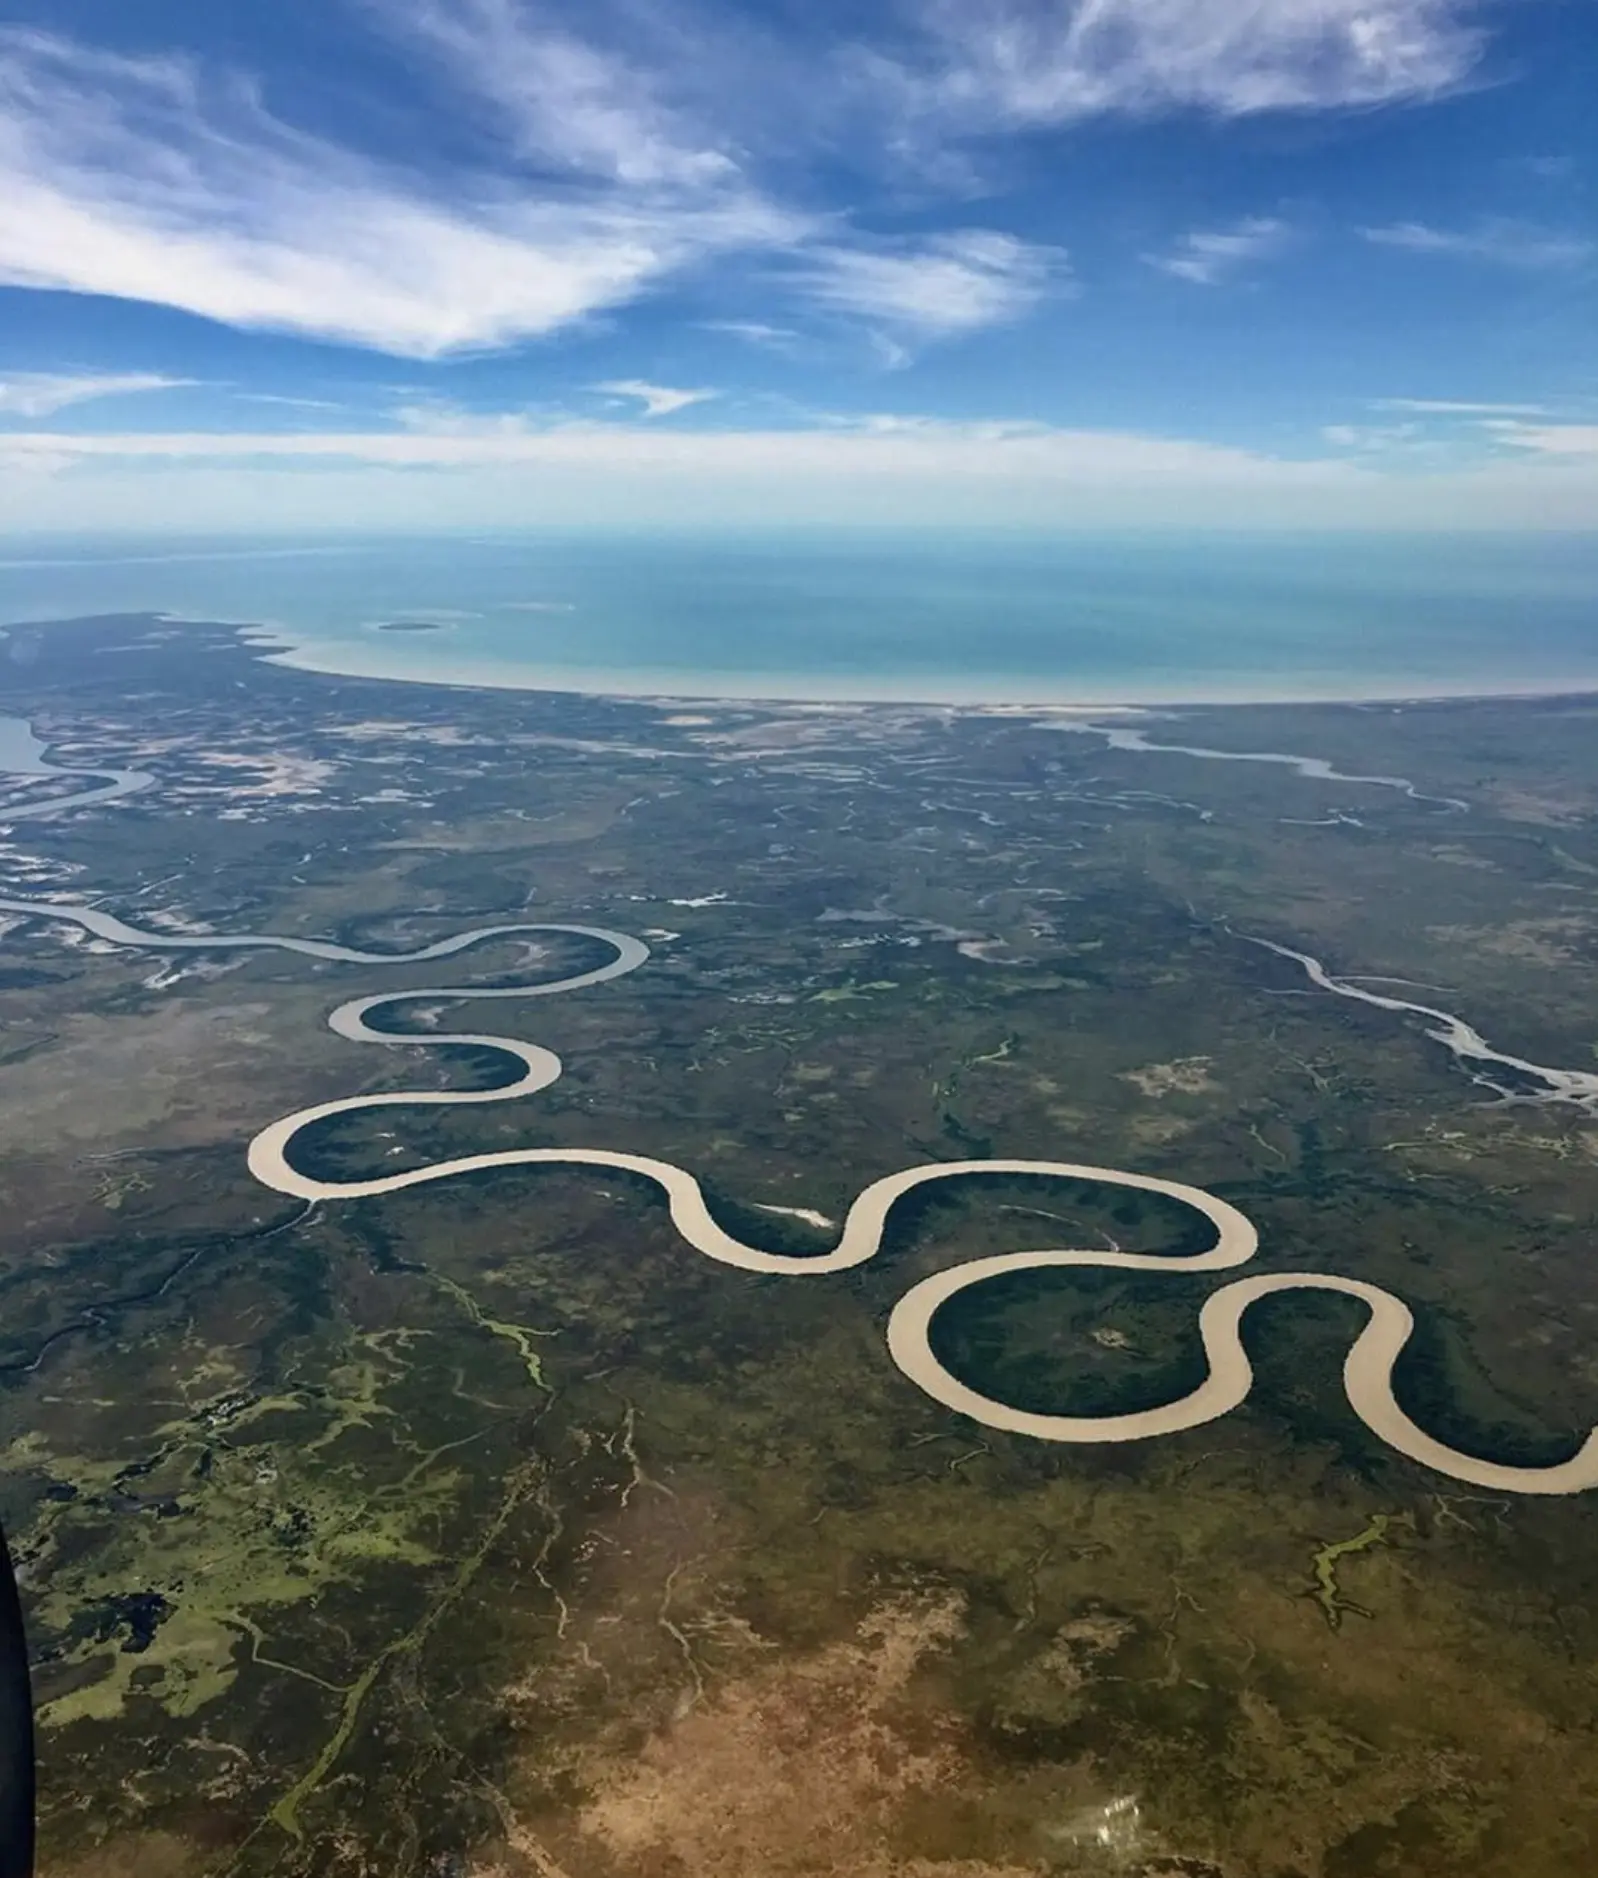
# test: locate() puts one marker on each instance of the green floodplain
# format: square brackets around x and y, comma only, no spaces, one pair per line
[485,1530]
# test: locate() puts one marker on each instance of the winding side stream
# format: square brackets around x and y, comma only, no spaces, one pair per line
[1578,1086]
[22,754]
[1316,768]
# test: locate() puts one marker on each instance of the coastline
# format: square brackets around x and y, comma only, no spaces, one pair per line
[274,644]
[792,689]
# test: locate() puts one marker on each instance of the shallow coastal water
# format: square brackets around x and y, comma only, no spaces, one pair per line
[897,615]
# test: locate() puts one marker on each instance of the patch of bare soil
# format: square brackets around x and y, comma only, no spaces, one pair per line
[815,1767]
[1186,1075]
[151,1855]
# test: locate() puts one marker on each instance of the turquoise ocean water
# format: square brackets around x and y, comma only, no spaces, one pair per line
[903,615]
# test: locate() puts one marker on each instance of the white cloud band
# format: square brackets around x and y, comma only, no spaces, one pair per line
[135,178]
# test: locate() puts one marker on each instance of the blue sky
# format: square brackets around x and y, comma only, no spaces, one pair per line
[1081,262]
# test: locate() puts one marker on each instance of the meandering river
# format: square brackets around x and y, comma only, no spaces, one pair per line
[1367,1372]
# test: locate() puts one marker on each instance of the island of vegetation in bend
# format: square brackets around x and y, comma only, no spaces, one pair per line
[483,1528]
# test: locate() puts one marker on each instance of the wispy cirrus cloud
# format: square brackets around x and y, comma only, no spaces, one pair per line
[657,400]
[1554,440]
[610,149]
[933,289]
[1371,436]
[287,401]
[1470,431]
[1458,407]
[1058,61]
[1503,242]
[450,424]
[755,333]
[157,179]
[150,179]
[1207,256]
[562,98]
[42,394]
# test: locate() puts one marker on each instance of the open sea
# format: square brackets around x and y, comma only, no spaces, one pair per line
[909,615]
